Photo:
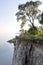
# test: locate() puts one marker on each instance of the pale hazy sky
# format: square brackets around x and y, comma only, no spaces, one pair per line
[8,23]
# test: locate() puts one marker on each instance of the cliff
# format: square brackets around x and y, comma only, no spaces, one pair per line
[28,52]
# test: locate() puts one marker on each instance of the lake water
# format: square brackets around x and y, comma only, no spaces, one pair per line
[6,53]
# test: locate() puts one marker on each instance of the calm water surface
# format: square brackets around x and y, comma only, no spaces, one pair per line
[6,53]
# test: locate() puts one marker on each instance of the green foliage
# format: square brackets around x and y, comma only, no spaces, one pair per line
[12,41]
[35,31]
[22,30]
[41,21]
[27,35]
[28,11]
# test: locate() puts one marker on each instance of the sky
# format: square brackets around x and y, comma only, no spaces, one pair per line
[9,26]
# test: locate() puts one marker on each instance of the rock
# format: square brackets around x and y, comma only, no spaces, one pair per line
[27,53]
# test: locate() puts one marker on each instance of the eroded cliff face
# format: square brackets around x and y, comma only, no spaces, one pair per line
[27,53]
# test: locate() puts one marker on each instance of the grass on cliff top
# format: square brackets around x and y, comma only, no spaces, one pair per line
[27,36]
[35,34]
[31,36]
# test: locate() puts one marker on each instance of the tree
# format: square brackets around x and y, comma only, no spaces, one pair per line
[41,18]
[28,12]
[41,22]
